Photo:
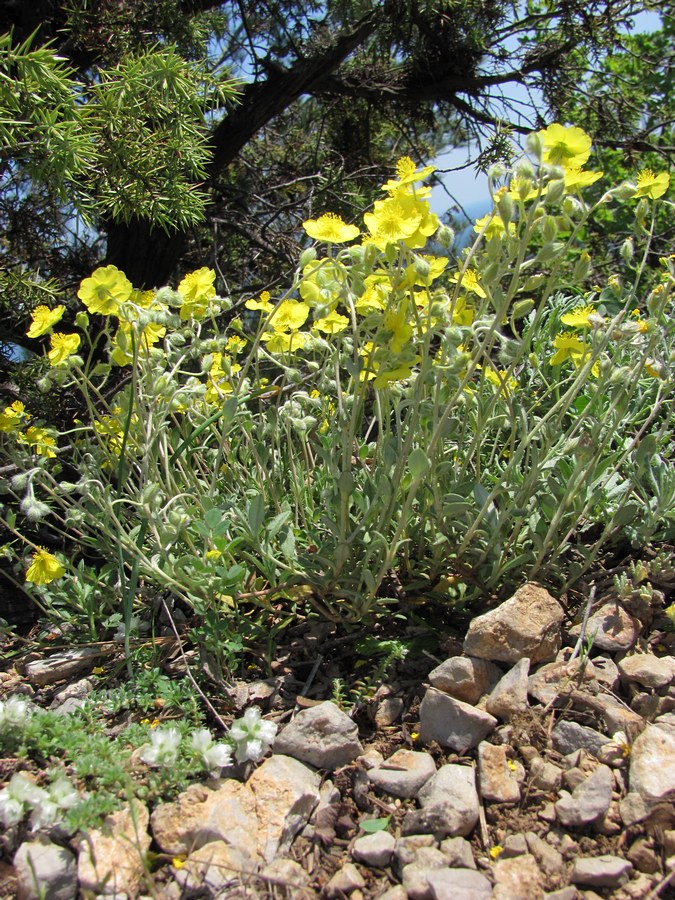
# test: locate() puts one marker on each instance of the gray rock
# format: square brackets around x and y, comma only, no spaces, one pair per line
[404,773]
[601,871]
[642,855]
[44,869]
[388,711]
[407,847]
[549,860]
[452,723]
[526,625]
[509,697]
[589,802]
[518,879]
[612,628]
[453,884]
[465,678]
[345,881]
[415,875]
[322,736]
[633,808]
[648,670]
[497,781]
[614,714]
[449,804]
[569,736]
[398,892]
[214,866]
[566,893]
[545,776]
[514,845]
[458,854]
[652,763]
[559,678]
[606,671]
[374,849]
[287,878]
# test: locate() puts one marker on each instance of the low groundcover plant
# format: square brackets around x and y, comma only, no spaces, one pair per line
[400,420]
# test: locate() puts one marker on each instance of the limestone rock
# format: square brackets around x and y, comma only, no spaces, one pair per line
[648,670]
[496,779]
[452,723]
[509,697]
[111,860]
[518,879]
[451,884]
[345,881]
[458,854]
[404,773]
[612,627]
[559,678]
[589,802]
[526,625]
[601,871]
[545,776]
[44,869]
[570,736]
[374,849]
[449,804]
[323,736]
[214,866]
[652,764]
[465,678]
[415,875]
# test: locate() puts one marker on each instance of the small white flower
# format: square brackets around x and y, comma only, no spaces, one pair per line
[163,749]
[215,756]
[44,814]
[11,809]
[63,793]
[252,735]
[14,713]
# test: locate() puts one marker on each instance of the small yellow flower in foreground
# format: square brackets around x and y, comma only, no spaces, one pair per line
[177,862]
[469,281]
[264,304]
[62,346]
[196,290]
[44,318]
[407,173]
[41,441]
[495,226]
[284,341]
[331,229]
[10,419]
[496,851]
[568,346]
[578,317]
[651,185]
[568,147]
[44,568]
[290,314]
[105,290]
[333,323]
[575,179]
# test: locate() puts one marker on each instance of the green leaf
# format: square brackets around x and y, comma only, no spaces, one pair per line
[418,463]
[255,513]
[371,826]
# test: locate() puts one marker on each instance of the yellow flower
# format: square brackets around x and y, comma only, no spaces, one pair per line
[374,296]
[196,289]
[495,226]
[122,354]
[407,173]
[496,851]
[41,441]
[290,314]
[332,323]
[462,313]
[568,346]
[578,317]
[395,321]
[575,179]
[391,221]
[469,281]
[105,290]
[651,185]
[521,188]
[263,305]
[285,342]
[235,344]
[10,419]
[568,147]
[399,373]
[213,554]
[62,347]
[331,229]
[219,379]
[44,568]
[501,380]
[43,318]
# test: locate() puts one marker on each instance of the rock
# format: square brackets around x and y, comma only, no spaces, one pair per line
[606,671]
[406,848]
[415,876]
[458,854]
[111,860]
[398,892]
[388,711]
[404,773]
[322,736]
[345,881]
[287,879]
[465,678]
[509,697]
[648,670]
[497,781]
[567,893]
[642,855]
[652,764]
[633,808]
[449,804]
[452,723]
[285,794]
[374,849]
[549,860]
[545,776]
[613,629]
[559,678]
[569,736]
[601,871]
[526,625]
[518,879]
[614,714]
[64,665]
[259,819]
[514,845]
[78,690]
[589,802]
[453,884]
[214,866]
[44,869]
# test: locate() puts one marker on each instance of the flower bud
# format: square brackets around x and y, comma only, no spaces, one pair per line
[556,189]
[422,267]
[523,169]
[18,482]
[642,211]
[505,207]
[445,236]
[627,250]
[82,320]
[521,308]
[44,385]
[656,300]
[307,256]
[534,144]
[549,228]
[496,172]
[624,191]
[582,267]
[549,251]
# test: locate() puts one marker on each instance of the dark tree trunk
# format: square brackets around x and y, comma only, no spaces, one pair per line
[147,256]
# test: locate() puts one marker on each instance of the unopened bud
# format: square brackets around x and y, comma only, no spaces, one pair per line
[534,144]
[582,267]
[445,236]
[549,228]
[307,256]
[521,308]
[627,250]
[556,189]
[505,207]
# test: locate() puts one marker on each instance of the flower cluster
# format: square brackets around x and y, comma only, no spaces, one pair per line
[46,805]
